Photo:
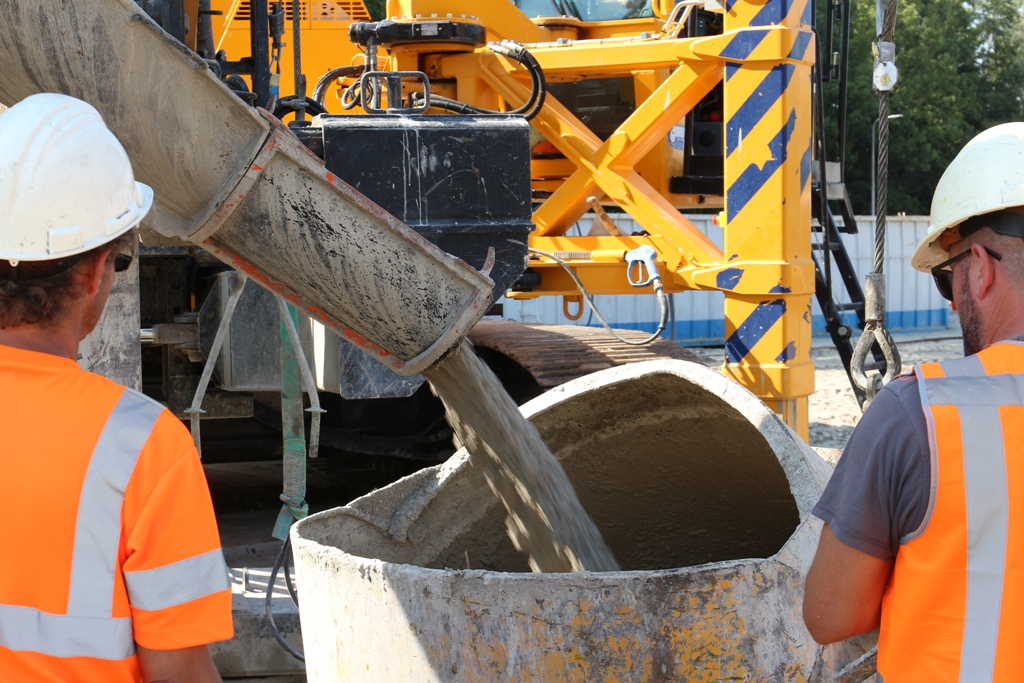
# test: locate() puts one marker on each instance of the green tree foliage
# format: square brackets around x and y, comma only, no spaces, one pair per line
[376,8]
[961,71]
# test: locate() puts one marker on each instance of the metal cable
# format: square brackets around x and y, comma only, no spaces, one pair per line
[889,21]
[882,188]
[875,331]
[882,191]
[297,75]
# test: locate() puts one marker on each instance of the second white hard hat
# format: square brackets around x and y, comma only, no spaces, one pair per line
[987,175]
[66,184]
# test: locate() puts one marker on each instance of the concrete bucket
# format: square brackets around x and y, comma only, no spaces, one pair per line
[236,182]
[703,494]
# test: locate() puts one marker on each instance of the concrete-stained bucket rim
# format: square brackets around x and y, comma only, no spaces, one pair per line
[805,471]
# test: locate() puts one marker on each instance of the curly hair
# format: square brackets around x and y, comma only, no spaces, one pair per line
[41,292]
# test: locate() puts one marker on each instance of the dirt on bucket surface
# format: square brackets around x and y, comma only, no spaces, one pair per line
[546,520]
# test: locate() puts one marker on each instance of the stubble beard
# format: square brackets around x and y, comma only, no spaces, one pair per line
[969,322]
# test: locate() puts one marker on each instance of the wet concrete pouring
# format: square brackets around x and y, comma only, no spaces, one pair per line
[546,520]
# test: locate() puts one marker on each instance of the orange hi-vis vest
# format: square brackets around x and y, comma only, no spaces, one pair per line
[110,539]
[954,606]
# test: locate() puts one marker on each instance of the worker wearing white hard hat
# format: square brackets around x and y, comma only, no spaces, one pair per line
[115,571]
[923,534]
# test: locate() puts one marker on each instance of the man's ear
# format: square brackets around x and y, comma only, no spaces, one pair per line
[94,274]
[984,275]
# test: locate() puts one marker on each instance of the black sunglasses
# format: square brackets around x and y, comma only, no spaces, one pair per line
[122,262]
[943,273]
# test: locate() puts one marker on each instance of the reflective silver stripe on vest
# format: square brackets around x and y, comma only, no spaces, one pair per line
[89,629]
[24,629]
[968,366]
[994,391]
[987,527]
[177,583]
[98,529]
[978,398]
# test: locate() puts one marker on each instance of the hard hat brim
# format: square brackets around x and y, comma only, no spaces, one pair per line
[928,253]
[124,223]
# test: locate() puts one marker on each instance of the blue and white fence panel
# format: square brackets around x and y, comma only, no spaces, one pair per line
[697,318]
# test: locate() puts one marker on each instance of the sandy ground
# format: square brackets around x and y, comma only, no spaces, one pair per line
[833,409]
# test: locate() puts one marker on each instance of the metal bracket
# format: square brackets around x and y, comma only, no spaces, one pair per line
[309,384]
[369,87]
[196,410]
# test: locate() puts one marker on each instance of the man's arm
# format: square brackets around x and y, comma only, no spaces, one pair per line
[187,665]
[843,592]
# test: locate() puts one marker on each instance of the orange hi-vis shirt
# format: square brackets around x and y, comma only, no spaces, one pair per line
[110,538]
[954,607]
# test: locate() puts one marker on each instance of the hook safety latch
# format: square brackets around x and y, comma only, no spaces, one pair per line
[641,261]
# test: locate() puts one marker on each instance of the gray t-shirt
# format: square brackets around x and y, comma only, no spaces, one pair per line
[879,491]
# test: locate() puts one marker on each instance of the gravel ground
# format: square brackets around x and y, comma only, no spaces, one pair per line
[833,409]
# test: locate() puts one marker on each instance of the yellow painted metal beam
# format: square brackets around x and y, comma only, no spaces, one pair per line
[763,59]
[770,279]
[609,165]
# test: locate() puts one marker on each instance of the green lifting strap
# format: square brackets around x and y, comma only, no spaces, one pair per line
[294,434]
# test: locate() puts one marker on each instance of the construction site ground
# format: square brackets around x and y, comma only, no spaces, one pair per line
[833,408]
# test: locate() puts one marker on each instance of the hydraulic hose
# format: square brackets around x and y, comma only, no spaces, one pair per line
[325,81]
[538,93]
[659,290]
[529,109]
[283,557]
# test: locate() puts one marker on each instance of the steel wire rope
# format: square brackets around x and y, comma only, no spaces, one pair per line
[297,76]
[882,191]
[658,289]
[875,330]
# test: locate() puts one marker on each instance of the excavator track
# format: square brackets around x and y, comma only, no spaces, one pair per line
[556,354]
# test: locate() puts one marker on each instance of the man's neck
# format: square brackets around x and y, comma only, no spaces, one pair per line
[56,341]
[1009,327]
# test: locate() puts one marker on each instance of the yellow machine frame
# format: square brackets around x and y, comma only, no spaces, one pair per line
[763,58]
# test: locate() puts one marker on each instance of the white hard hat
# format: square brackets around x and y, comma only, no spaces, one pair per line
[66,184]
[986,176]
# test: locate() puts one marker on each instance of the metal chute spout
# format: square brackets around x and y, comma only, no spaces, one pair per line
[240,185]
